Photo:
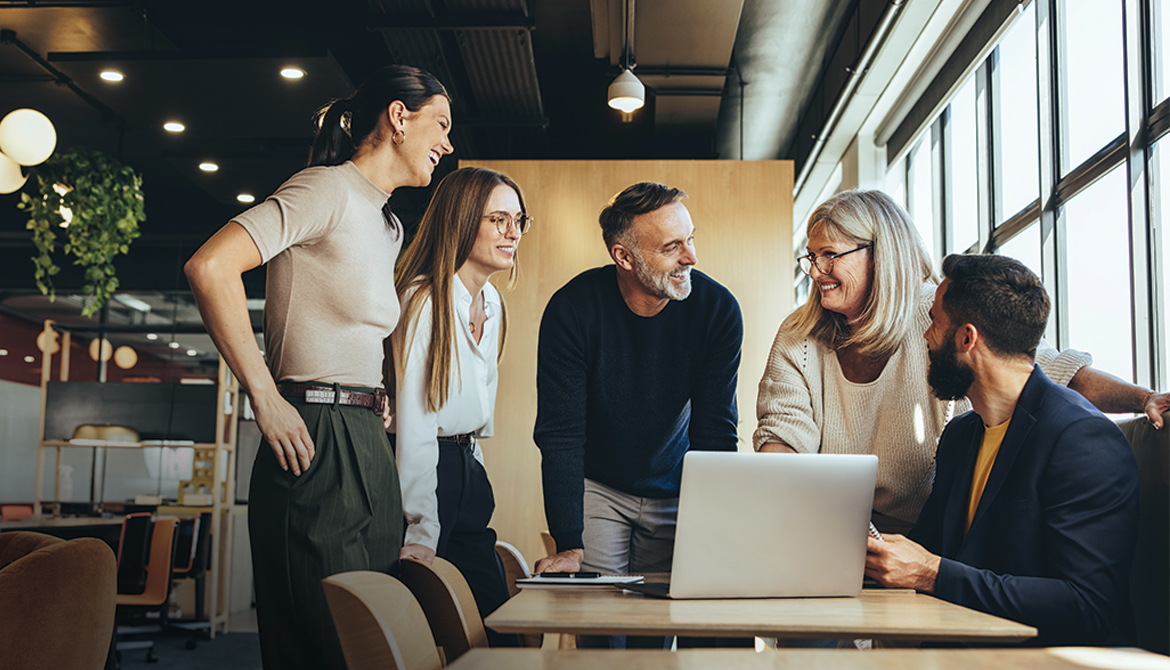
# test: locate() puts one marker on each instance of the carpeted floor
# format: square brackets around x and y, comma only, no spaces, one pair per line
[228,651]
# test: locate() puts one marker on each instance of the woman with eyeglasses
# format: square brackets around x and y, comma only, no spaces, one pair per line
[444,357]
[848,369]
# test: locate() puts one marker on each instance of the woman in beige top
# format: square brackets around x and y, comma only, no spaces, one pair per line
[847,370]
[324,497]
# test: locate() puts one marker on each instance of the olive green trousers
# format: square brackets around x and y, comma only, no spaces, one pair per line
[343,513]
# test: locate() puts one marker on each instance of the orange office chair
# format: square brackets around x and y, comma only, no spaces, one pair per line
[156,589]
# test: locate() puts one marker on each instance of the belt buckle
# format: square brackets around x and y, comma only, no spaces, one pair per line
[380,401]
[319,396]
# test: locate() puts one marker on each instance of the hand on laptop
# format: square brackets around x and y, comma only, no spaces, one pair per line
[566,561]
[899,562]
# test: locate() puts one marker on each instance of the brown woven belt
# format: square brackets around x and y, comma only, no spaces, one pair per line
[326,395]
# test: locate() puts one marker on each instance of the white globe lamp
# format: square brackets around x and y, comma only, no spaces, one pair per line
[27,136]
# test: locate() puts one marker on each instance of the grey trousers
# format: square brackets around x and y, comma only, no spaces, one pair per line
[343,513]
[626,534]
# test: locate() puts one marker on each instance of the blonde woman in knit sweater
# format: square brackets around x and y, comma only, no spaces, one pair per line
[847,370]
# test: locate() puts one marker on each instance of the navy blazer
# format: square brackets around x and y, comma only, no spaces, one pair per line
[1052,540]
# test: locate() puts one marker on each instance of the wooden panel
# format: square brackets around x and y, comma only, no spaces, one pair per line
[743,236]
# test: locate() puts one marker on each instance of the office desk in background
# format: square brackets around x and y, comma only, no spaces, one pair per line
[895,616]
[1066,658]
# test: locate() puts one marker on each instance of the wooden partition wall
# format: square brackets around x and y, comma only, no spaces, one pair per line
[742,211]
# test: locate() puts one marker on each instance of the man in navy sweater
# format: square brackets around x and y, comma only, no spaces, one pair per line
[637,364]
[1033,516]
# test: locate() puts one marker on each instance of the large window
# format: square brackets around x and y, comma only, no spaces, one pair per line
[1030,158]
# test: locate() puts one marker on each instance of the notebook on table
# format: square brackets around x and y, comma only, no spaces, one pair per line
[770,526]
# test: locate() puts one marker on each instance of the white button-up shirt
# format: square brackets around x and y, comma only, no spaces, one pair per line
[471,400]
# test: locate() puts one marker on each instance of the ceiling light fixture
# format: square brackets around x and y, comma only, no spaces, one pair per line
[192,352]
[152,336]
[173,345]
[174,127]
[208,167]
[292,73]
[246,198]
[112,75]
[627,93]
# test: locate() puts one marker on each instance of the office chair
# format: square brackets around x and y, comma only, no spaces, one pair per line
[379,622]
[192,553]
[448,603]
[56,601]
[156,587]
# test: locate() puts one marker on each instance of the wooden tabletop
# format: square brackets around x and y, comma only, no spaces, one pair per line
[879,614]
[1062,658]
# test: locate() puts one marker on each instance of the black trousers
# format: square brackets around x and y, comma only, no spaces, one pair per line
[343,513]
[466,504]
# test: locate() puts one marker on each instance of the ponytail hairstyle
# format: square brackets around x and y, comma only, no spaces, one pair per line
[344,125]
[445,238]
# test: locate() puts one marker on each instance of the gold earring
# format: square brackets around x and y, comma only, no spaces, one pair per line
[398,137]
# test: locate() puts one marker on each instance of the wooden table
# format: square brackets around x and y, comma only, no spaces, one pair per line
[1061,658]
[903,616]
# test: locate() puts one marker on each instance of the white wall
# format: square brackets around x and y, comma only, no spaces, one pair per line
[20,415]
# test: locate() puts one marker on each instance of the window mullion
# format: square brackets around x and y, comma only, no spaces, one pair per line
[1052,252]
[1137,104]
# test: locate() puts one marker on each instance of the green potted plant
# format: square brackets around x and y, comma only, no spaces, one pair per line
[96,203]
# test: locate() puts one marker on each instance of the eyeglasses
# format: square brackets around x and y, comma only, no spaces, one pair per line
[825,263]
[504,221]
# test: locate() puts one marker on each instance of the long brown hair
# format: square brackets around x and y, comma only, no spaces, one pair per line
[445,239]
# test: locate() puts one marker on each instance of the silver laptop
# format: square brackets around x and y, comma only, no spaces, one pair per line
[771,525]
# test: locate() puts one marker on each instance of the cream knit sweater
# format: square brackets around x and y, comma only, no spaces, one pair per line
[806,401]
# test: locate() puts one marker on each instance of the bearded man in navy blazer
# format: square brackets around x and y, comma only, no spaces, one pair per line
[1033,516]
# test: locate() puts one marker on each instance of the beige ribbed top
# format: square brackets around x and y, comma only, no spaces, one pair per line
[806,401]
[329,296]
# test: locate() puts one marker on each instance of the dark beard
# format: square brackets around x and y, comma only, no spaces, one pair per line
[949,379]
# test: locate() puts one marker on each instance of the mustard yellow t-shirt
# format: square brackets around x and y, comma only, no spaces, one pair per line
[992,439]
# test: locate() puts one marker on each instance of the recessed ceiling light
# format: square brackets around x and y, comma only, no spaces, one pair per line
[292,73]
[29,359]
[152,336]
[112,75]
[3,352]
[174,127]
[192,352]
[208,167]
[246,198]
[173,345]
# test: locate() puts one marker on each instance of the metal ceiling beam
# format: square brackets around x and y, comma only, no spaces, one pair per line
[451,24]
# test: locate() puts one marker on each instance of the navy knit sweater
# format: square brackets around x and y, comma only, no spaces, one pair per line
[621,397]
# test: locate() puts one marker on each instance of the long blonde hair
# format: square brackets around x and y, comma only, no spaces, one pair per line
[445,239]
[899,266]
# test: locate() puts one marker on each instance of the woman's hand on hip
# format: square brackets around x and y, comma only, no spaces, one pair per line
[285,431]
[419,552]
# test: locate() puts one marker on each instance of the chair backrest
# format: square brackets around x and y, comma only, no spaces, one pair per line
[550,545]
[514,566]
[133,552]
[1149,590]
[192,546]
[57,601]
[449,605]
[158,568]
[379,622]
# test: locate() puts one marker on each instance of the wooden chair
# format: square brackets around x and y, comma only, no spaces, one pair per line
[449,605]
[550,545]
[516,568]
[1149,591]
[380,623]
